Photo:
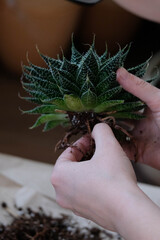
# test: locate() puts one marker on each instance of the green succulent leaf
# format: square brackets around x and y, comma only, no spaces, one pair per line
[89,99]
[107,83]
[109,94]
[48,93]
[128,115]
[129,106]
[32,99]
[128,97]
[41,84]
[90,60]
[52,124]
[69,86]
[124,55]
[87,85]
[43,109]
[113,63]
[75,55]
[140,69]
[82,74]
[40,72]
[107,105]
[49,117]
[51,62]
[40,79]
[103,57]
[37,94]
[74,103]
[69,67]
[59,103]
[28,85]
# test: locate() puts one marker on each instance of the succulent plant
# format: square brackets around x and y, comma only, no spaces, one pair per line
[82,91]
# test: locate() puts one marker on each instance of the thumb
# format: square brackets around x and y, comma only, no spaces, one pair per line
[105,141]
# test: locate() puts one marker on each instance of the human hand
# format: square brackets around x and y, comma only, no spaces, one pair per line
[95,189]
[147,130]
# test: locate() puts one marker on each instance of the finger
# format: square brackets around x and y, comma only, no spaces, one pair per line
[140,88]
[104,138]
[77,151]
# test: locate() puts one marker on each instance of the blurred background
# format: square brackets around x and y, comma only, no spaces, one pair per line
[49,25]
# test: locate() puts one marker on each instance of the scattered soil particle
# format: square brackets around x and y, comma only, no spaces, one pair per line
[4,205]
[31,225]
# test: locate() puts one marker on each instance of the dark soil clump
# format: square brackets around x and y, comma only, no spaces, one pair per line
[31,225]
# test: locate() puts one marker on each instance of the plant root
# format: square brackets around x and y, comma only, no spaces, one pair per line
[124,131]
[64,143]
[83,123]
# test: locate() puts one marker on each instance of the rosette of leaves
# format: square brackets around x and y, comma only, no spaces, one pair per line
[81,91]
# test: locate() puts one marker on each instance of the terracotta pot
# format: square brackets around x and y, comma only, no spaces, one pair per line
[27,23]
[110,23]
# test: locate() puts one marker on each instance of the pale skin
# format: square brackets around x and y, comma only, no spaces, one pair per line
[149,9]
[104,189]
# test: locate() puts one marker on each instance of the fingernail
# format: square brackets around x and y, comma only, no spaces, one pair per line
[121,74]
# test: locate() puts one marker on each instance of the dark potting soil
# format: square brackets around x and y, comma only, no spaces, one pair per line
[31,225]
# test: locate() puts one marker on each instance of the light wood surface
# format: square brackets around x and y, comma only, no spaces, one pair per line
[26,183]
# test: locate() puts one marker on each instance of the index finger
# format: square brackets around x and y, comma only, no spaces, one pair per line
[140,88]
